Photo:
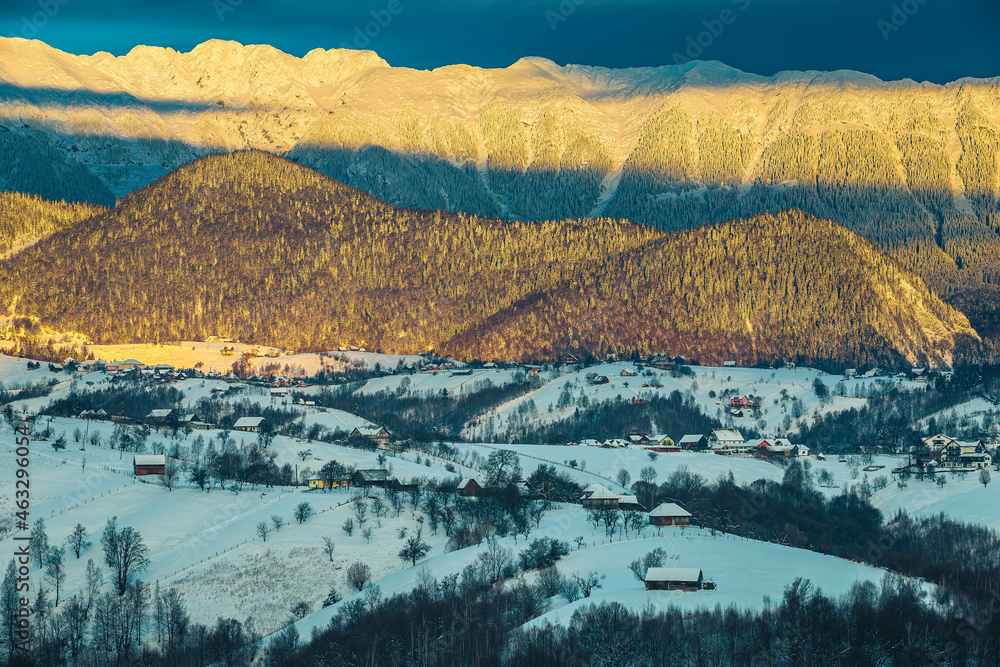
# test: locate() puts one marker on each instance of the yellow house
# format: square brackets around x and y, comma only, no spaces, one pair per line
[341,482]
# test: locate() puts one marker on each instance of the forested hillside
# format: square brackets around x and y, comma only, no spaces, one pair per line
[24,218]
[254,246]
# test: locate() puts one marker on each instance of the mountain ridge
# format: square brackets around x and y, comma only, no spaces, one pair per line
[299,260]
[913,167]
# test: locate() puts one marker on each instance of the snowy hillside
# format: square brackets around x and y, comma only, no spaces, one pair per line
[747,573]
[208,543]
[787,397]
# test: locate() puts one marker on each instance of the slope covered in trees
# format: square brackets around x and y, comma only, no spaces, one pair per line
[253,246]
[25,218]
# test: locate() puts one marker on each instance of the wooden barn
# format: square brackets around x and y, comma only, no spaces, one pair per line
[377,478]
[674,579]
[159,417]
[148,464]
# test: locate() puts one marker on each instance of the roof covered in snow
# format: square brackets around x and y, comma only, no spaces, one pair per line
[670,510]
[685,574]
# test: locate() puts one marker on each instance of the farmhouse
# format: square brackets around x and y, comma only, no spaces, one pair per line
[727,443]
[469,488]
[693,443]
[722,436]
[674,579]
[250,424]
[159,417]
[597,496]
[662,443]
[124,366]
[377,434]
[777,447]
[938,442]
[339,482]
[148,464]
[670,514]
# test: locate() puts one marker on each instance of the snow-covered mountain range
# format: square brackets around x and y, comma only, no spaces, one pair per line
[911,166]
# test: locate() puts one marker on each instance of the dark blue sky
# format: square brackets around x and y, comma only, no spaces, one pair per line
[934,40]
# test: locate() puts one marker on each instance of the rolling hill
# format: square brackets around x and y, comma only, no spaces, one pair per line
[253,246]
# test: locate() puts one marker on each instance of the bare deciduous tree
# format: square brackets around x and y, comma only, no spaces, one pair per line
[124,552]
[77,540]
[55,570]
[588,582]
[263,529]
[358,575]
[170,472]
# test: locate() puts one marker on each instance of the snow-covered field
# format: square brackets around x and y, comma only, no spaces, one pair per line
[187,354]
[962,498]
[747,572]
[978,413]
[433,382]
[206,542]
[599,464]
[776,389]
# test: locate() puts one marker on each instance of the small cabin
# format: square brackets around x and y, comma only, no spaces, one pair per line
[148,464]
[674,579]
